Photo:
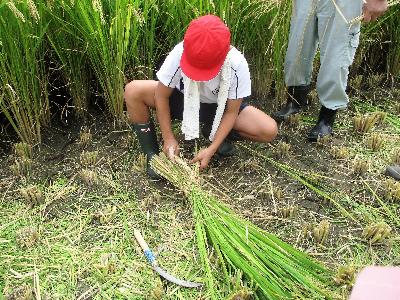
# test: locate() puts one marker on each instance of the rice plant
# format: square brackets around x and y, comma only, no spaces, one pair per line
[364,123]
[22,167]
[396,157]
[356,82]
[23,79]
[360,166]
[321,232]
[339,152]
[375,141]
[23,150]
[88,158]
[89,177]
[391,190]
[111,31]
[32,195]
[345,275]
[380,42]
[282,150]
[71,52]
[377,232]
[288,212]
[294,120]
[278,270]
[376,115]
[85,137]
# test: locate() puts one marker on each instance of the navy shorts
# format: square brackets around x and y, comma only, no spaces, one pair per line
[207,110]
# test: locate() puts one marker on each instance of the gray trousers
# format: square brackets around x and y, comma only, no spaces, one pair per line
[318,22]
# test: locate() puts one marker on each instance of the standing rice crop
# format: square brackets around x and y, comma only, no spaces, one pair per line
[278,270]
[23,79]
[71,55]
[111,29]
[380,44]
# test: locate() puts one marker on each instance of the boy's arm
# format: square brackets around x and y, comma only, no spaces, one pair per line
[161,99]
[373,9]
[226,125]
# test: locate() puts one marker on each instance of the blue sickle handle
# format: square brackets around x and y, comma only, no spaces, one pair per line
[147,252]
[150,257]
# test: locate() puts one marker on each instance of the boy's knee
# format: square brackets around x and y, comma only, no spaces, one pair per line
[131,89]
[269,131]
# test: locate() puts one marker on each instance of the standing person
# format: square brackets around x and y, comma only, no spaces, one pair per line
[203,80]
[333,25]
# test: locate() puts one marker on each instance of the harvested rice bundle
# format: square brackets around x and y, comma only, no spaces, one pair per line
[277,269]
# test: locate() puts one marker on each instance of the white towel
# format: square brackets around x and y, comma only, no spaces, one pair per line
[191,122]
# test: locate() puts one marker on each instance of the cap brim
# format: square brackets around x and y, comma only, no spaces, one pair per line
[198,74]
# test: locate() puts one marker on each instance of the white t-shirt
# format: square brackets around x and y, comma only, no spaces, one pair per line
[171,75]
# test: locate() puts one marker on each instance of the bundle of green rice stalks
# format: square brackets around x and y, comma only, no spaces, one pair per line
[276,269]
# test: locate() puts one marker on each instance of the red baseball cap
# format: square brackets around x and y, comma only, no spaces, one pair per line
[205,46]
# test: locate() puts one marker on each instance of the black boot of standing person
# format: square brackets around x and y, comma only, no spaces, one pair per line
[324,126]
[394,172]
[296,102]
[146,135]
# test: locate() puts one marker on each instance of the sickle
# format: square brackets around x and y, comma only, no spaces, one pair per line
[151,259]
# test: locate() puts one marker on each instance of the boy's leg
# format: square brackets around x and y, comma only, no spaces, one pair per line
[255,125]
[139,97]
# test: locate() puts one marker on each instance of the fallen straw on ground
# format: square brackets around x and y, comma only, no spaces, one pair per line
[276,269]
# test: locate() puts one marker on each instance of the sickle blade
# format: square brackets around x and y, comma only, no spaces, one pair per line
[175,280]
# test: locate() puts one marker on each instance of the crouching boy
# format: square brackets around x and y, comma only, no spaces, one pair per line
[203,80]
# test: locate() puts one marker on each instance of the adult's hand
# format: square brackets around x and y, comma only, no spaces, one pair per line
[203,157]
[171,148]
[373,9]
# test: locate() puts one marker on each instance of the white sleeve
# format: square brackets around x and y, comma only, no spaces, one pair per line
[170,71]
[240,82]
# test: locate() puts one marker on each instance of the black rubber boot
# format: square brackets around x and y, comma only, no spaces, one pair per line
[394,172]
[226,149]
[296,102]
[324,124]
[146,135]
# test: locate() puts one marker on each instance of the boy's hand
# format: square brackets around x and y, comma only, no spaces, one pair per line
[373,9]
[203,157]
[171,148]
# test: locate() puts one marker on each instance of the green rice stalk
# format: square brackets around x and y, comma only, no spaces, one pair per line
[379,44]
[277,269]
[112,30]
[71,52]
[23,79]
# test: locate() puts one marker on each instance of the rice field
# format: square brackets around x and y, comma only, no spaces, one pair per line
[73,186]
